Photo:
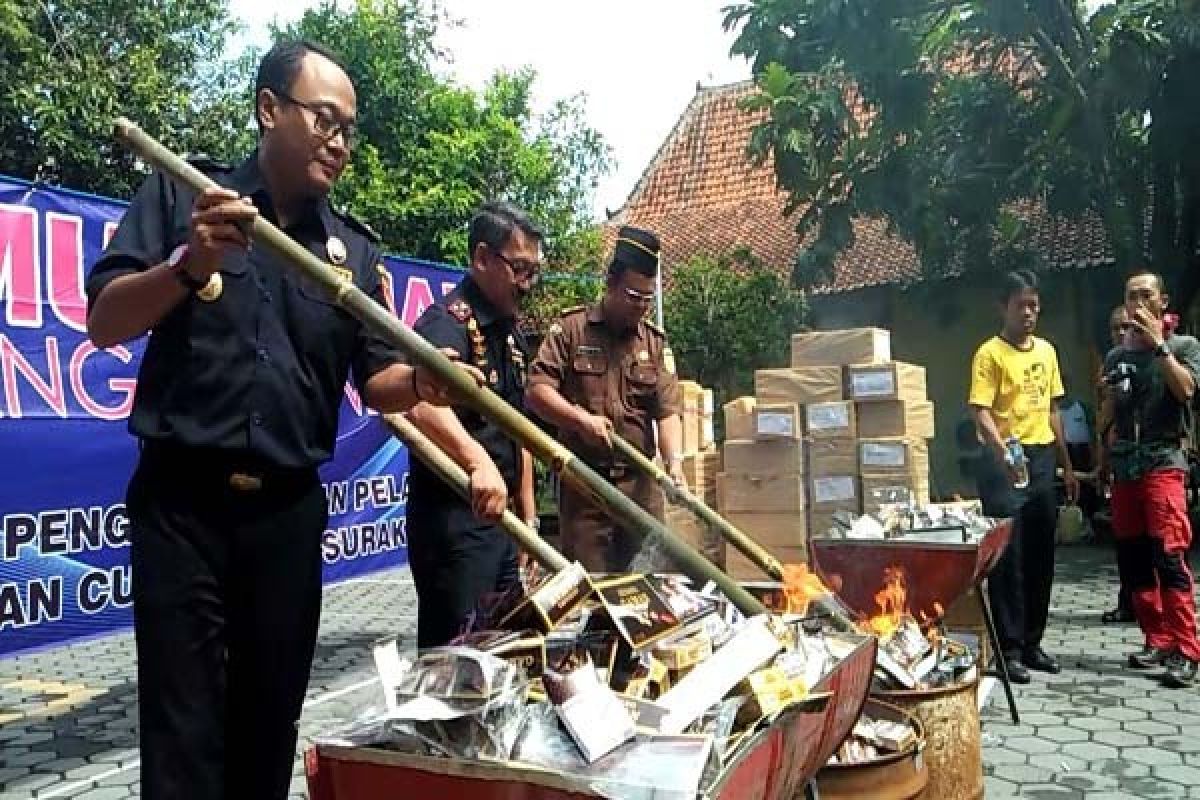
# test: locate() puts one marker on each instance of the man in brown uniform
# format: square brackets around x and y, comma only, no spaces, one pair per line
[600,370]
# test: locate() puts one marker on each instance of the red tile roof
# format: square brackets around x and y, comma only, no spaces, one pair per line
[701,194]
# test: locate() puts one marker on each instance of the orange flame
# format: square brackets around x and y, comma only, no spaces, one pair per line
[892,600]
[801,587]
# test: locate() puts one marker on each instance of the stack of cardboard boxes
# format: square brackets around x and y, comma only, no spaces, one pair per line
[844,428]
[701,463]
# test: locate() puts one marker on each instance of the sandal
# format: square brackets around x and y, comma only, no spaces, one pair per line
[1117,616]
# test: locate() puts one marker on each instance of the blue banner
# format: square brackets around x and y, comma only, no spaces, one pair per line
[66,452]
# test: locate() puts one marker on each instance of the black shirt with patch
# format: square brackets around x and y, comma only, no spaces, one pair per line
[470,325]
[1150,423]
[261,369]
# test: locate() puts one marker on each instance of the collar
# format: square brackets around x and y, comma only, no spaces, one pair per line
[247,178]
[485,313]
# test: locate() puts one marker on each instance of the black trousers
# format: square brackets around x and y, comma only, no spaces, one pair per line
[456,560]
[1021,582]
[227,599]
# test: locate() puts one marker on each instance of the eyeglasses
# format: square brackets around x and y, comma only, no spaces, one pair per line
[520,269]
[324,123]
[639,298]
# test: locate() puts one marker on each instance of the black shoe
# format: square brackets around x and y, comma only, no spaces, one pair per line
[1016,670]
[1181,671]
[1039,659]
[1147,658]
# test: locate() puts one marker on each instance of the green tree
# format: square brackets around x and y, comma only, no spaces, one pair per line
[727,317]
[71,67]
[959,111]
[432,151]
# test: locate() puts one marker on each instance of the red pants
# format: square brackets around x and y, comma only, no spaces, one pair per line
[1150,523]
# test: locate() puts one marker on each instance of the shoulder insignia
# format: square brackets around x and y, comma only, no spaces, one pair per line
[460,310]
[357,224]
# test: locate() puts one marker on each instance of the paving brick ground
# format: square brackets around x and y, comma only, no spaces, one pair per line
[68,716]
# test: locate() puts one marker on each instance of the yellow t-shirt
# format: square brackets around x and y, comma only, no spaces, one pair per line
[1018,386]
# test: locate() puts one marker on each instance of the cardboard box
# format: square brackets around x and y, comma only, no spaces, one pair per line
[830,420]
[708,435]
[700,471]
[778,421]
[832,457]
[834,493]
[802,386]
[686,525]
[788,530]
[895,419]
[692,395]
[839,348]
[899,456]
[881,382]
[740,568]
[739,418]
[768,493]
[887,489]
[779,457]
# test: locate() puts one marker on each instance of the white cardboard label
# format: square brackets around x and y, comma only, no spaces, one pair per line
[873,383]
[830,490]
[770,423]
[828,416]
[877,454]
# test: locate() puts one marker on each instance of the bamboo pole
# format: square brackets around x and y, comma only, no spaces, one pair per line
[445,468]
[463,388]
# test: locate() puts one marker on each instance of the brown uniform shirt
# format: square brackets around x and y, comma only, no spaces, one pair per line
[622,377]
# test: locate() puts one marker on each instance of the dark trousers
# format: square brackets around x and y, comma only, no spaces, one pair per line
[456,560]
[227,599]
[1020,584]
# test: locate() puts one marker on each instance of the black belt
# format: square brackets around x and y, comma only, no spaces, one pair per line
[239,470]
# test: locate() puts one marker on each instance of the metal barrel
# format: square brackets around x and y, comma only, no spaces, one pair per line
[453,475]
[379,320]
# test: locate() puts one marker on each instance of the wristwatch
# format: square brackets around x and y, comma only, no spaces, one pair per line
[1162,351]
[177,263]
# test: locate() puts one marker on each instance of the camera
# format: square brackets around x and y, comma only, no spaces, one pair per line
[1121,376]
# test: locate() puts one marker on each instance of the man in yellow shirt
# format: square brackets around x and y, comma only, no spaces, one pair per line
[1015,385]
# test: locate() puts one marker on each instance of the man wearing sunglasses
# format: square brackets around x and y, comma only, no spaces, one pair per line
[456,550]
[236,407]
[602,370]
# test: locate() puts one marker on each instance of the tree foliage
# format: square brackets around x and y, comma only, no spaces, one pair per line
[727,317]
[71,67]
[431,151]
[957,112]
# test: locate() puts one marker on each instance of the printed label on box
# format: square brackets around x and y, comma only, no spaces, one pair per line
[772,424]
[830,490]
[873,383]
[828,416]
[876,454]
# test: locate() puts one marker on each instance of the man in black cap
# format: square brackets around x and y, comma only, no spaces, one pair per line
[604,369]
[456,550]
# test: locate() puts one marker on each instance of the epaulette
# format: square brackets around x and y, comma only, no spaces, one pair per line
[572,310]
[209,164]
[655,328]
[460,310]
[358,225]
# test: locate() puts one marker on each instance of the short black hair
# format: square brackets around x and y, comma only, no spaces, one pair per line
[1018,281]
[1140,271]
[494,223]
[279,67]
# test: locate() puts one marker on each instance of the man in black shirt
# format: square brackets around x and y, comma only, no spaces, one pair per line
[457,552]
[236,407]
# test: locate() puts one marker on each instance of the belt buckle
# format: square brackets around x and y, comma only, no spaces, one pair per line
[245,482]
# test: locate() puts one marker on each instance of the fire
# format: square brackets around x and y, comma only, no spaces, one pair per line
[892,600]
[801,587]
